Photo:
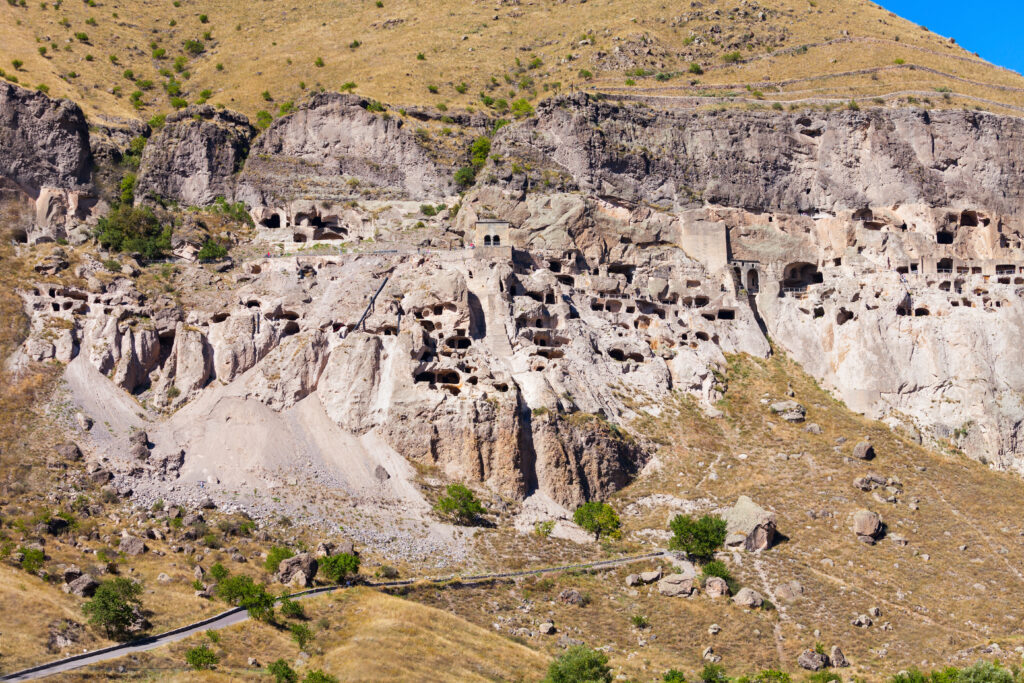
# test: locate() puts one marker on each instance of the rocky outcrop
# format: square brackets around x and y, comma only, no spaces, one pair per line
[46,164]
[332,139]
[801,162]
[867,525]
[193,159]
[298,570]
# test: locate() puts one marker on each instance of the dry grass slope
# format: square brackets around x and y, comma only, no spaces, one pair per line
[263,56]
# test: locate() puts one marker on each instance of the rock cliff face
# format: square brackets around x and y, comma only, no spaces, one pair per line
[45,165]
[332,145]
[621,253]
[811,162]
[195,156]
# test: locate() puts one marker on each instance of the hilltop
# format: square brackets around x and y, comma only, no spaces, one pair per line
[136,59]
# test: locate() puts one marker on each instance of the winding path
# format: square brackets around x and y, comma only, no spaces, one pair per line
[237,615]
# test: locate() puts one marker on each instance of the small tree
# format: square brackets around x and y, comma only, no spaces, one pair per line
[242,591]
[301,635]
[673,676]
[598,518]
[202,657]
[579,664]
[337,567]
[113,606]
[292,609]
[282,673]
[32,559]
[713,673]
[699,538]
[275,557]
[212,250]
[219,572]
[459,504]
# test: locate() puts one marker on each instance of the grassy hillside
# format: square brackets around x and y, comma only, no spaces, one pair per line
[264,56]
[359,635]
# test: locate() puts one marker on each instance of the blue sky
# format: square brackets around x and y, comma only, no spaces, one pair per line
[992,28]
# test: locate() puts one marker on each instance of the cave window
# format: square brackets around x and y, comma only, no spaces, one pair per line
[944,237]
[969,219]
[487,240]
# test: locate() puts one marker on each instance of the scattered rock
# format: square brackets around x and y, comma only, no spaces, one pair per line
[790,591]
[748,597]
[812,428]
[867,525]
[749,525]
[84,586]
[838,658]
[298,570]
[63,633]
[790,411]
[69,451]
[864,451]
[862,621]
[132,545]
[651,576]
[253,662]
[716,587]
[714,630]
[547,628]
[812,661]
[676,585]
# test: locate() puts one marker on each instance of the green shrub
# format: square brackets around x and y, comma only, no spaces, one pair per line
[420,56]
[817,677]
[17,64]
[479,150]
[713,673]
[522,108]
[347,86]
[113,606]
[200,658]
[699,538]
[130,229]
[317,676]
[461,88]
[281,672]
[32,559]
[42,50]
[354,44]
[544,529]
[292,609]
[242,591]
[203,19]
[775,676]
[695,68]
[459,504]
[599,519]
[719,569]
[673,676]
[432,89]
[731,57]
[194,47]
[211,251]
[586,74]
[337,567]
[465,176]
[263,119]
[179,102]
[640,621]
[275,556]
[219,572]
[579,664]
[428,210]
[301,635]
[82,37]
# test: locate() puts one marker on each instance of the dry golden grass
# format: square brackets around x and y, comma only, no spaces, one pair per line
[267,48]
[360,635]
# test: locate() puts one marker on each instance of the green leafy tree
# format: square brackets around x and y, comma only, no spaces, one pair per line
[301,635]
[32,559]
[599,519]
[337,567]
[465,176]
[132,229]
[292,609]
[699,538]
[479,150]
[211,251]
[113,606]
[274,558]
[242,591]
[200,658]
[713,673]
[579,664]
[219,572]
[281,672]
[459,504]
[673,676]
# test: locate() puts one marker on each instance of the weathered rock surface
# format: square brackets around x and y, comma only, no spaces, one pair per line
[298,570]
[676,585]
[812,661]
[749,525]
[867,525]
[193,159]
[748,597]
[716,587]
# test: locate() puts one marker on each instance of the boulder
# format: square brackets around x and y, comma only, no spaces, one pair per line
[298,570]
[862,621]
[570,596]
[790,591]
[838,658]
[867,525]
[716,587]
[547,628]
[651,576]
[864,451]
[71,573]
[633,580]
[750,521]
[790,411]
[748,597]
[676,585]
[69,451]
[812,661]
[84,586]
[132,545]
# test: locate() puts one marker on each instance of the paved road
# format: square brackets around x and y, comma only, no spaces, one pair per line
[237,615]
